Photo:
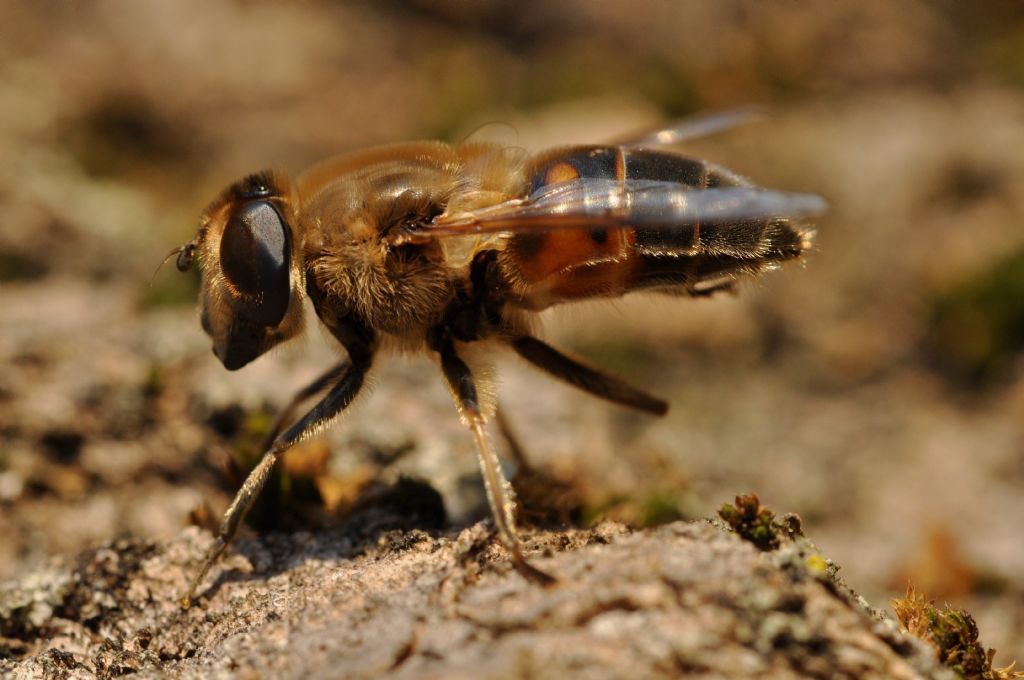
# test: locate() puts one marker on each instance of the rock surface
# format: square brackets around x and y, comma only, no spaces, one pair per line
[839,390]
[684,598]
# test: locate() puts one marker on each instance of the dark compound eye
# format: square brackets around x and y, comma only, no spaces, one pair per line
[254,256]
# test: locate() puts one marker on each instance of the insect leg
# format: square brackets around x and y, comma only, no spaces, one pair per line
[598,383]
[333,403]
[515,447]
[500,495]
[330,377]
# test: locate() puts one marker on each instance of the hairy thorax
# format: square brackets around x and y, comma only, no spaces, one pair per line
[350,247]
[399,291]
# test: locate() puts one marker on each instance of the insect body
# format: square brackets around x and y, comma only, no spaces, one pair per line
[434,247]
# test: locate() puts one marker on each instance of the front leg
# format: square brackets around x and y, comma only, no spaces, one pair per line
[330,377]
[500,494]
[334,402]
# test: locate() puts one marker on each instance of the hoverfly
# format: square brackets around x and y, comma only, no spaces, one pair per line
[432,246]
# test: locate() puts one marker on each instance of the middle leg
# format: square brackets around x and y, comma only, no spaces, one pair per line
[500,495]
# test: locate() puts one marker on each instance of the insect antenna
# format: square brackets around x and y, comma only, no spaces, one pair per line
[185,253]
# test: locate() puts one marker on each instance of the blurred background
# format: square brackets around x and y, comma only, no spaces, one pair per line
[877,389]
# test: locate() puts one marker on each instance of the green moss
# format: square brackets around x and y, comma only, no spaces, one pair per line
[954,635]
[977,328]
[752,521]
[661,507]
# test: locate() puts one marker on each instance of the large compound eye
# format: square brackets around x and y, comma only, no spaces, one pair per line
[254,256]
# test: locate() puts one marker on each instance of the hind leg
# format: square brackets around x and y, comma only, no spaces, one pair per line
[588,379]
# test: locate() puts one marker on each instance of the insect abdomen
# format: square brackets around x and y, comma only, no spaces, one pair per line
[692,258]
[619,162]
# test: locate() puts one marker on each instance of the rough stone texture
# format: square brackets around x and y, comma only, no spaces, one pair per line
[684,598]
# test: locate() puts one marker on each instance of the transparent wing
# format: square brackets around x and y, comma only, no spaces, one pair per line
[592,203]
[695,127]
